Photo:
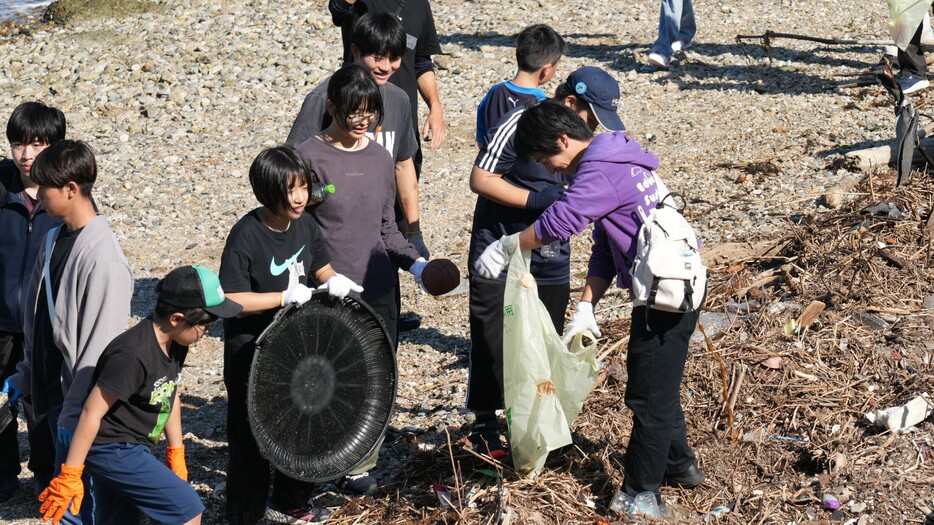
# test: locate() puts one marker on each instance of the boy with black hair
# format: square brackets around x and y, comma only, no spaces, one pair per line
[32,127]
[378,44]
[538,50]
[614,188]
[512,192]
[134,401]
[417,72]
[78,299]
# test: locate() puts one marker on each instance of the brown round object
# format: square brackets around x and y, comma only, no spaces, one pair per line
[440,276]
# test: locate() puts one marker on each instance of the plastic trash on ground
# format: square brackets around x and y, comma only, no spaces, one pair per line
[904,416]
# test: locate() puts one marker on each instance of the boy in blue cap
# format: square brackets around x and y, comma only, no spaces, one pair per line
[512,192]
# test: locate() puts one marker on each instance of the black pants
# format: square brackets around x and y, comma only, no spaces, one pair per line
[248,473]
[41,447]
[485,380]
[912,59]
[655,364]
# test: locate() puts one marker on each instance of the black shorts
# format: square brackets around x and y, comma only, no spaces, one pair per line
[485,380]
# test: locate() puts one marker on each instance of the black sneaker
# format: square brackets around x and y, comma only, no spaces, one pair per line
[360,484]
[408,322]
[688,479]
[8,487]
[485,438]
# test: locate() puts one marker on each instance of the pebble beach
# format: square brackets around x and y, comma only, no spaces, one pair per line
[179,96]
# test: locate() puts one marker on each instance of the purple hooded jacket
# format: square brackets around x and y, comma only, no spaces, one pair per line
[614,188]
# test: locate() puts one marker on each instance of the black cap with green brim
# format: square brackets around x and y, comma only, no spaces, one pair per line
[197,287]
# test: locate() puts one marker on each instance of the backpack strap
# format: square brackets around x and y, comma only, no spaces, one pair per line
[674,195]
[49,296]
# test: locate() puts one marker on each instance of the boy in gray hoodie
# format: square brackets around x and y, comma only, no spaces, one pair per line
[78,299]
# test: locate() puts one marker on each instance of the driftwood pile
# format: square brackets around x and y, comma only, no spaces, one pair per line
[809,332]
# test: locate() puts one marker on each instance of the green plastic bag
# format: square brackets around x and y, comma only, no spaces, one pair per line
[904,18]
[544,383]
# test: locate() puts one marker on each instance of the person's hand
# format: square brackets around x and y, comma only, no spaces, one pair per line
[583,319]
[340,286]
[418,242]
[541,200]
[492,261]
[175,459]
[10,390]
[65,435]
[65,489]
[417,268]
[434,125]
[297,294]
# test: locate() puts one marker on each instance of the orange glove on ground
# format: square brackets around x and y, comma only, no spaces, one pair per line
[175,458]
[64,489]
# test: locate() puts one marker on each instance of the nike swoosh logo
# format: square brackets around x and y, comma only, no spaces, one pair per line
[277,269]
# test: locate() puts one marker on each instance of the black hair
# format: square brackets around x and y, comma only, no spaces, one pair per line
[540,126]
[564,91]
[192,315]
[272,174]
[351,87]
[538,45]
[380,35]
[35,122]
[63,162]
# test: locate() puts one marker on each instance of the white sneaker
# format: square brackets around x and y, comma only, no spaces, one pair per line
[679,45]
[912,84]
[659,61]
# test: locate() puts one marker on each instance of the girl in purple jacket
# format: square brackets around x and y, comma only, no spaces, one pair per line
[614,188]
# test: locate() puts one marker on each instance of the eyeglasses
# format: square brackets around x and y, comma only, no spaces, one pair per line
[358,118]
[202,328]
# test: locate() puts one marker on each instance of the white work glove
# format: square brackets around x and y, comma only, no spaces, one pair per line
[492,261]
[297,294]
[339,286]
[583,319]
[417,268]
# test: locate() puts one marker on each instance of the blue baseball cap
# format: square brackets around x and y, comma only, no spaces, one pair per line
[601,91]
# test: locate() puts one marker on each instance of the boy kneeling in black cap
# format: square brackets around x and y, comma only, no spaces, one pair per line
[133,401]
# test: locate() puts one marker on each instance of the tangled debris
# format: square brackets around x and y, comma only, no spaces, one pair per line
[812,331]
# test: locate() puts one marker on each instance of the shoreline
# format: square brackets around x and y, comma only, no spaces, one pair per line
[24,23]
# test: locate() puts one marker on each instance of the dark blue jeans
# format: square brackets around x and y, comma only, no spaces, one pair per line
[655,363]
[41,447]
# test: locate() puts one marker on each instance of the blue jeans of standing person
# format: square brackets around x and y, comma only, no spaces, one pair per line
[676,22]
[658,444]
[86,514]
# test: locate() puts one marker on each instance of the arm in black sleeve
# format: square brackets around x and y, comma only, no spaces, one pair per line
[423,65]
[339,10]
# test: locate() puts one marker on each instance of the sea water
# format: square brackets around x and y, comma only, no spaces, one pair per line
[20,9]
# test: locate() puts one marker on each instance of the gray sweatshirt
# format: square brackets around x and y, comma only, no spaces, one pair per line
[92,306]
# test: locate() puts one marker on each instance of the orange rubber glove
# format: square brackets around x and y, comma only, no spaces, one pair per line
[175,458]
[64,489]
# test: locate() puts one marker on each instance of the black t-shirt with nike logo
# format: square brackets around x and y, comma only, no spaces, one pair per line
[257,259]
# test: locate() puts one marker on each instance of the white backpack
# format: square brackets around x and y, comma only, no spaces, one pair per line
[667,272]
